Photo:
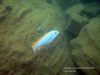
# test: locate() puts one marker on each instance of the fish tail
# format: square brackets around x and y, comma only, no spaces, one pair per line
[36,42]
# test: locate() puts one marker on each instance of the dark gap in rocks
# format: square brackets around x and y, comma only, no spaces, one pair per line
[49,1]
[74,29]
[1,1]
[5,13]
[88,14]
[64,4]
[70,34]
[98,12]
[93,65]
[8,8]
[89,1]
[2,18]
[78,71]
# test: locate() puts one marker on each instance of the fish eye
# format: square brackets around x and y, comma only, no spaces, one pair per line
[55,32]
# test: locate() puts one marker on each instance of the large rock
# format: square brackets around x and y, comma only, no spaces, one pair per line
[86,48]
[22,22]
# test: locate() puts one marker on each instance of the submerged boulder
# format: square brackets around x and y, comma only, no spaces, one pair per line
[85,48]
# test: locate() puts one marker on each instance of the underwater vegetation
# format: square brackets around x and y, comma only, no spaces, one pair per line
[75,51]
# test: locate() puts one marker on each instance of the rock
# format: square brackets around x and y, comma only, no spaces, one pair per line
[85,48]
[76,21]
[28,21]
[74,11]
[91,10]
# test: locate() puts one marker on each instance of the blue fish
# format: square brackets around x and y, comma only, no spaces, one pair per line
[45,39]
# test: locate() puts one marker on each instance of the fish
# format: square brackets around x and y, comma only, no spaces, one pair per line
[45,39]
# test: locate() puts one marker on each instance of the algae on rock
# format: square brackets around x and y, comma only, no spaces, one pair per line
[85,48]
[25,22]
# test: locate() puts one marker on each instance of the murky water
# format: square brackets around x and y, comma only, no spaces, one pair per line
[26,24]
